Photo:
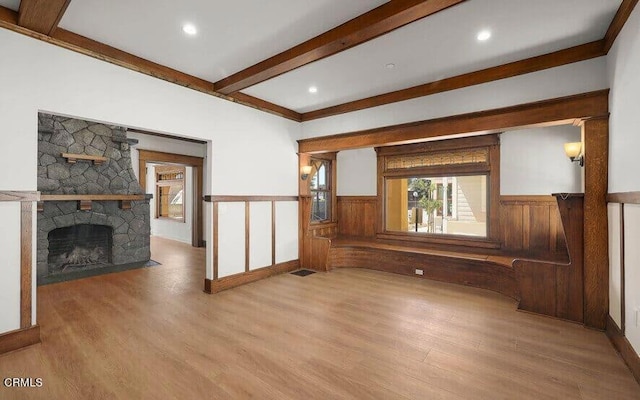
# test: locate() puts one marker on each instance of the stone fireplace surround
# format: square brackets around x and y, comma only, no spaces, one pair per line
[130,227]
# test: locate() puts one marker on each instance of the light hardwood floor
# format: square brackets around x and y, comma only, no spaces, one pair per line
[347,334]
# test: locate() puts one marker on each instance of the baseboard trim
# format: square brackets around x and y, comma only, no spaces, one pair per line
[228,282]
[20,338]
[622,345]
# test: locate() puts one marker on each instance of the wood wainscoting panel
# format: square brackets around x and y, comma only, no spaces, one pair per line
[555,287]
[313,252]
[532,225]
[479,273]
[357,216]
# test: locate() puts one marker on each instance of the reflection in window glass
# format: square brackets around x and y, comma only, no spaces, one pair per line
[437,205]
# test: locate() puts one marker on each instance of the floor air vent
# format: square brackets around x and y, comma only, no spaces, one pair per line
[303,272]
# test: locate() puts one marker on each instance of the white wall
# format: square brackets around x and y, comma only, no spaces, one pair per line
[533,162]
[41,77]
[567,80]
[632,274]
[10,271]
[357,172]
[623,64]
[615,288]
[357,168]
[166,228]
[165,145]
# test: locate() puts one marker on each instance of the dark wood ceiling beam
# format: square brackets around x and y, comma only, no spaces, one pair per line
[567,56]
[101,51]
[42,16]
[529,65]
[548,112]
[377,22]
[618,22]
[245,98]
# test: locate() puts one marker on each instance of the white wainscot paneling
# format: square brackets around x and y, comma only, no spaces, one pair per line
[10,271]
[260,235]
[286,231]
[615,294]
[230,239]
[632,274]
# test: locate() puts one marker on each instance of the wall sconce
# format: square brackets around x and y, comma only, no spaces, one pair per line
[306,171]
[573,150]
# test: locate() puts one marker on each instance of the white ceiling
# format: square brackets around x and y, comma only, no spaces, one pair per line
[440,46]
[12,4]
[236,34]
[232,35]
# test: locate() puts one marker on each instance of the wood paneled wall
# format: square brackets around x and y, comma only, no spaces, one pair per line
[557,288]
[528,224]
[314,243]
[532,225]
[357,216]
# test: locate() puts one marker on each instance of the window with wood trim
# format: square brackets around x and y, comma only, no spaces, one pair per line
[442,191]
[321,187]
[170,184]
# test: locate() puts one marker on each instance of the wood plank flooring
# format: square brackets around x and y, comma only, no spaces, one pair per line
[347,334]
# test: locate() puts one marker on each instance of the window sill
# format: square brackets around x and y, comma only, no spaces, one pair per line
[485,243]
[181,220]
[322,224]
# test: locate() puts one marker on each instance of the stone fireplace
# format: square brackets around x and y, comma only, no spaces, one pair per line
[94,217]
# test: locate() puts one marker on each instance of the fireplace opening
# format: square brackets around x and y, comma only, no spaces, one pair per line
[82,246]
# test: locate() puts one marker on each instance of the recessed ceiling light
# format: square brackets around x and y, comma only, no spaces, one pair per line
[390,66]
[313,89]
[484,35]
[189,29]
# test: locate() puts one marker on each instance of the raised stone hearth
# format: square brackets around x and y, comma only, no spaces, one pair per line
[75,241]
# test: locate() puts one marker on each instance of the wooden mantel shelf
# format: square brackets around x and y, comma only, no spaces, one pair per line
[73,158]
[85,200]
[94,197]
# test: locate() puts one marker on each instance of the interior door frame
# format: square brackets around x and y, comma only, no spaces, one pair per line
[197,163]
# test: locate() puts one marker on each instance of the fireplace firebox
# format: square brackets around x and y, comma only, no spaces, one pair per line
[79,247]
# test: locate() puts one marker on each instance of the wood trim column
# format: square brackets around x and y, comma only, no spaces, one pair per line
[25,264]
[247,235]
[273,233]
[596,245]
[623,323]
[214,226]
[197,230]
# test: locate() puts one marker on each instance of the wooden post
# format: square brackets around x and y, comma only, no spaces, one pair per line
[596,246]
[25,265]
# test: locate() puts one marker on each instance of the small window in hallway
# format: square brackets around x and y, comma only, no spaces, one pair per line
[170,192]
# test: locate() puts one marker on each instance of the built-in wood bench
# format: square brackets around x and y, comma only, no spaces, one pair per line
[549,283]
[484,270]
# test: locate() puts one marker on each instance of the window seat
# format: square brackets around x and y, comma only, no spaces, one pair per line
[515,275]
[426,250]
